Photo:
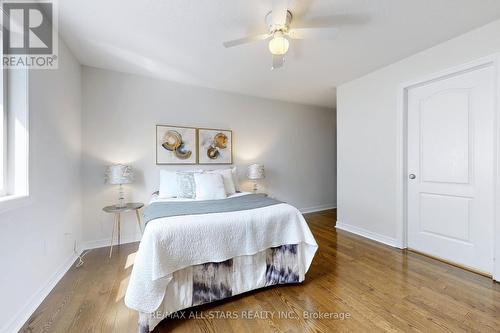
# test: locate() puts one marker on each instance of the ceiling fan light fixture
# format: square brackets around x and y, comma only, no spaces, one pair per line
[279,45]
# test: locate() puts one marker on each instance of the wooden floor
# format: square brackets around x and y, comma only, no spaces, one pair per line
[377,287]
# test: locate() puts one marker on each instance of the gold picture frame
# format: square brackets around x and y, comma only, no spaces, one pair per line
[173,144]
[215,146]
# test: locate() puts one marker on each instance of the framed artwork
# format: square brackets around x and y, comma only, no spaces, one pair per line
[215,146]
[176,145]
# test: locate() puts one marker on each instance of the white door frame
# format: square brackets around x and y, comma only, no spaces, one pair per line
[493,61]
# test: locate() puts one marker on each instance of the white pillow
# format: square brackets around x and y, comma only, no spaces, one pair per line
[168,184]
[236,183]
[227,177]
[209,186]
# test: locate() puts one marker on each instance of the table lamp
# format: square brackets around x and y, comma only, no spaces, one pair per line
[255,172]
[119,174]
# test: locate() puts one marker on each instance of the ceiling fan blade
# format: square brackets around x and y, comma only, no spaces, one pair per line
[278,61]
[313,33]
[279,13]
[245,40]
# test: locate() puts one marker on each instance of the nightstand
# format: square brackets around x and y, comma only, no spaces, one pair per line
[117,210]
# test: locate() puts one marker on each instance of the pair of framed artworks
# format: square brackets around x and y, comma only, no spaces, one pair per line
[189,145]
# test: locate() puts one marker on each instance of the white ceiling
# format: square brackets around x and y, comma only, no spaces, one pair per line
[180,40]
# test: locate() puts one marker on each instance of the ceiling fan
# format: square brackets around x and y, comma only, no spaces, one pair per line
[278,20]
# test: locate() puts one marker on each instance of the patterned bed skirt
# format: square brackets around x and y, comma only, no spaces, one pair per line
[213,281]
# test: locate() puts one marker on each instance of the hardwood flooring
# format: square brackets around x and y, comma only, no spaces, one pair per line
[376,288]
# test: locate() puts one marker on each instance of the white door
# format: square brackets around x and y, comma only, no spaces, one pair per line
[450,168]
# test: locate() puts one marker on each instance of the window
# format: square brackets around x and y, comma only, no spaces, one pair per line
[14,137]
[3,135]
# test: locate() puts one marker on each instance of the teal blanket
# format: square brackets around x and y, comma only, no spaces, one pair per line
[172,208]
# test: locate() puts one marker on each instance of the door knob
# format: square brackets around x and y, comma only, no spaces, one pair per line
[412,176]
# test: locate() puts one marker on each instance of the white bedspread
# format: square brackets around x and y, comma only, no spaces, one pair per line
[172,243]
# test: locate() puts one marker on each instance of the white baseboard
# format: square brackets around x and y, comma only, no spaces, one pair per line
[319,208]
[125,239]
[369,234]
[25,313]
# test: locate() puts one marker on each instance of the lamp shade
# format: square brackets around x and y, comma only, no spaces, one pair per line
[119,174]
[255,171]
[278,45]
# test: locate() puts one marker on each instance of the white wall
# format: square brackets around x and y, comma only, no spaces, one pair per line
[368,190]
[295,142]
[36,241]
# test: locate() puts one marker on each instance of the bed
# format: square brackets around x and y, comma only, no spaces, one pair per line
[195,252]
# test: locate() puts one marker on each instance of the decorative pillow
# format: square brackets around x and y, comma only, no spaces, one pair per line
[227,177]
[209,186]
[186,187]
[168,184]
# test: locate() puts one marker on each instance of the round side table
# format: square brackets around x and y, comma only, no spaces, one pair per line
[117,210]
